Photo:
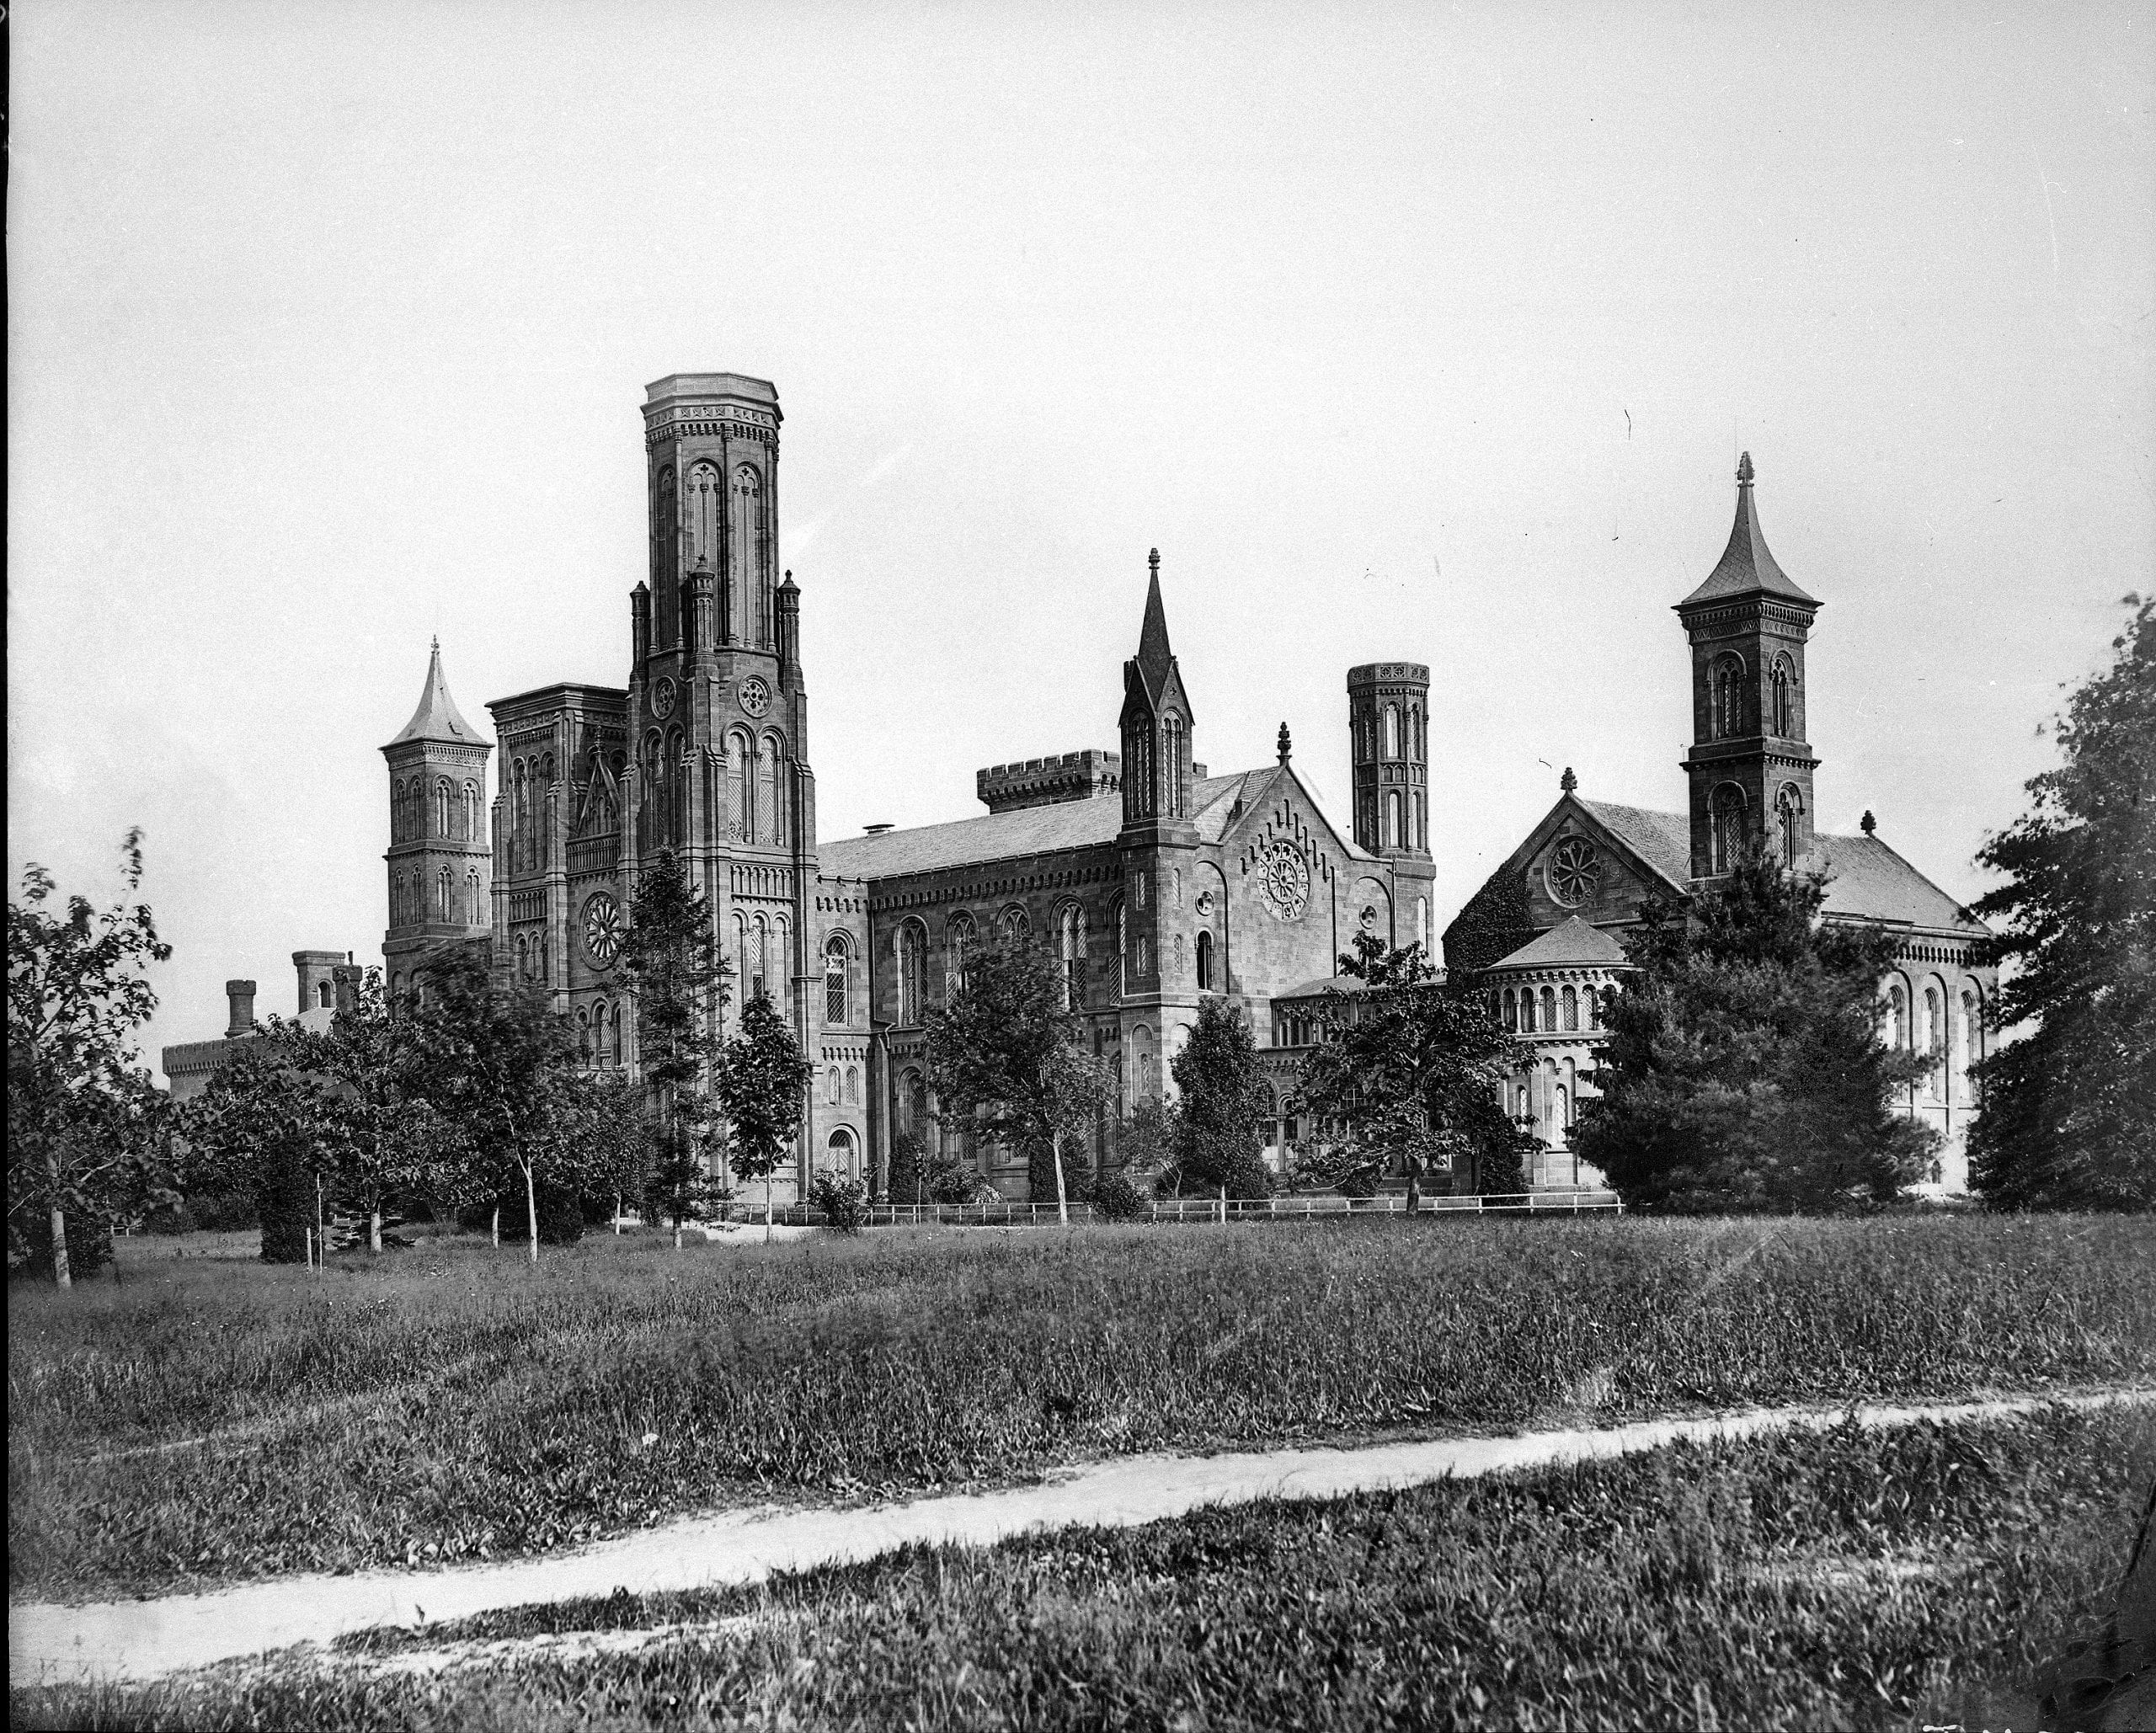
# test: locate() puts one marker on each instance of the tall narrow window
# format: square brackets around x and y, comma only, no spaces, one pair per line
[913,964]
[1392,731]
[1934,1039]
[834,994]
[767,824]
[472,917]
[739,821]
[1572,1005]
[748,560]
[957,940]
[1788,803]
[1728,827]
[1727,698]
[1205,962]
[472,831]
[1549,1008]
[442,898]
[1069,924]
[666,559]
[1897,1037]
[1393,837]
[1785,711]
[1527,1011]
[1122,950]
[1593,1007]
[1512,1010]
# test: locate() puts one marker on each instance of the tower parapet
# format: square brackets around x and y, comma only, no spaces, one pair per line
[1388,722]
[1048,782]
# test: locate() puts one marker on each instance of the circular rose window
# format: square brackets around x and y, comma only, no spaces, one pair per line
[602,929]
[1285,880]
[1573,871]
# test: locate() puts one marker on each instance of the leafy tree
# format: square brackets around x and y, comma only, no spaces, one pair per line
[2069,1106]
[84,1135]
[261,1127]
[762,1087]
[1744,1068]
[921,1175]
[678,982]
[1144,1138]
[608,1114]
[1412,1069]
[1223,1101]
[1004,1051]
[497,1061]
[1045,1163]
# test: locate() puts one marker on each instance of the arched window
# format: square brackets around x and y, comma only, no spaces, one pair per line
[740,821]
[1121,949]
[1014,924]
[614,1035]
[1727,697]
[523,960]
[1572,1005]
[1421,839]
[913,966]
[831,1086]
[1897,1028]
[1561,1114]
[1512,1011]
[958,937]
[1593,1005]
[1170,800]
[1784,707]
[839,1155]
[1549,1008]
[322,995]
[441,896]
[472,900]
[749,560]
[700,508]
[770,826]
[1393,837]
[853,1083]
[1070,953]
[1392,731]
[1935,1038]
[665,556]
[472,828]
[1726,827]
[836,1009]
[677,790]
[1789,803]
[1972,1022]
[1205,962]
[1527,1011]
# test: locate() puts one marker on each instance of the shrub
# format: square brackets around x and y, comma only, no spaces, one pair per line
[1115,1199]
[224,1212]
[844,1203]
[89,1245]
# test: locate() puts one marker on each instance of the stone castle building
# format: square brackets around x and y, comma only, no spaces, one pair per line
[1157,882]
[1546,924]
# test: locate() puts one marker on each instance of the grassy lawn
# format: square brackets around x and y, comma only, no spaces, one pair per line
[1841,1579]
[450,1402]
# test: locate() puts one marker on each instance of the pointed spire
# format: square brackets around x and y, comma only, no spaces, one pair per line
[1286,747]
[1568,783]
[1154,655]
[437,717]
[1746,568]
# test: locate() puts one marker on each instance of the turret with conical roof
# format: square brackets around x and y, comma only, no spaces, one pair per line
[1750,766]
[441,861]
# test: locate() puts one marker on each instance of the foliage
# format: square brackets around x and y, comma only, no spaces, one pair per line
[259,1127]
[1116,1199]
[85,1135]
[443,1404]
[678,982]
[1224,1102]
[1852,1578]
[1496,922]
[844,1201]
[1041,1171]
[1744,1069]
[1144,1138]
[1005,1052]
[1410,1066]
[1352,1168]
[2068,1107]
[761,1083]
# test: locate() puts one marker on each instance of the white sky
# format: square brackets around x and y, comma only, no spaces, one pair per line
[1403,332]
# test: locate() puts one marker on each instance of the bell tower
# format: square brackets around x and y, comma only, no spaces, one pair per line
[441,861]
[1387,724]
[1749,765]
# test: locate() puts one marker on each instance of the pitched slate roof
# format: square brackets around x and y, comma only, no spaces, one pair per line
[1863,876]
[1745,567]
[1571,944]
[1662,840]
[437,717]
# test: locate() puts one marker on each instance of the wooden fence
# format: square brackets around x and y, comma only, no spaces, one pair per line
[1200,1209]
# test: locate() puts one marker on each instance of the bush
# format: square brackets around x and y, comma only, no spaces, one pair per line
[844,1201]
[284,1204]
[1115,1199]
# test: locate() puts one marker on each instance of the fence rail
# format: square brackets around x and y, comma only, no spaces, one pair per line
[1200,1209]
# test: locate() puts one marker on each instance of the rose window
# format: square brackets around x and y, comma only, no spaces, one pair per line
[1574,870]
[602,929]
[1285,880]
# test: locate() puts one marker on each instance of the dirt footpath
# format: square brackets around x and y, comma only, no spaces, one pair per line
[144,1639]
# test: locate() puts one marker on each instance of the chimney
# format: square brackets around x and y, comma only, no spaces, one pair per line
[240,996]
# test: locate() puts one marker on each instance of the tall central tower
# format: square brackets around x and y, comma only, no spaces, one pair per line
[1749,764]
[718,711]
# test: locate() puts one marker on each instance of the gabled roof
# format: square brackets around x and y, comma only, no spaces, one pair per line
[1867,878]
[1746,568]
[1663,840]
[1571,944]
[437,717]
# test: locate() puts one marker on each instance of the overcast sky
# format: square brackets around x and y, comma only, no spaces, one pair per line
[1403,332]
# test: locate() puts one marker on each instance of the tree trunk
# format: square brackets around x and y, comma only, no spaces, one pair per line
[1062,1197]
[531,1209]
[617,1213]
[494,1227]
[374,1229]
[321,1238]
[1223,1206]
[767,1210]
[62,1277]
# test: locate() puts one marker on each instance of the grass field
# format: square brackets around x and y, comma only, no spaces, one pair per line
[205,1420]
[1841,1579]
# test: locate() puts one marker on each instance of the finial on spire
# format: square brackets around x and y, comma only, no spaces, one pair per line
[1568,781]
[1867,823]
[1153,561]
[434,644]
[1286,747]
[1744,469]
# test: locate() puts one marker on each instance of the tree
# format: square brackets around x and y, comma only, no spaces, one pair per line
[761,1083]
[610,1125]
[1005,1052]
[1744,1068]
[2068,1107]
[494,1060]
[677,980]
[1412,1066]
[261,1127]
[83,1118]
[1224,1102]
